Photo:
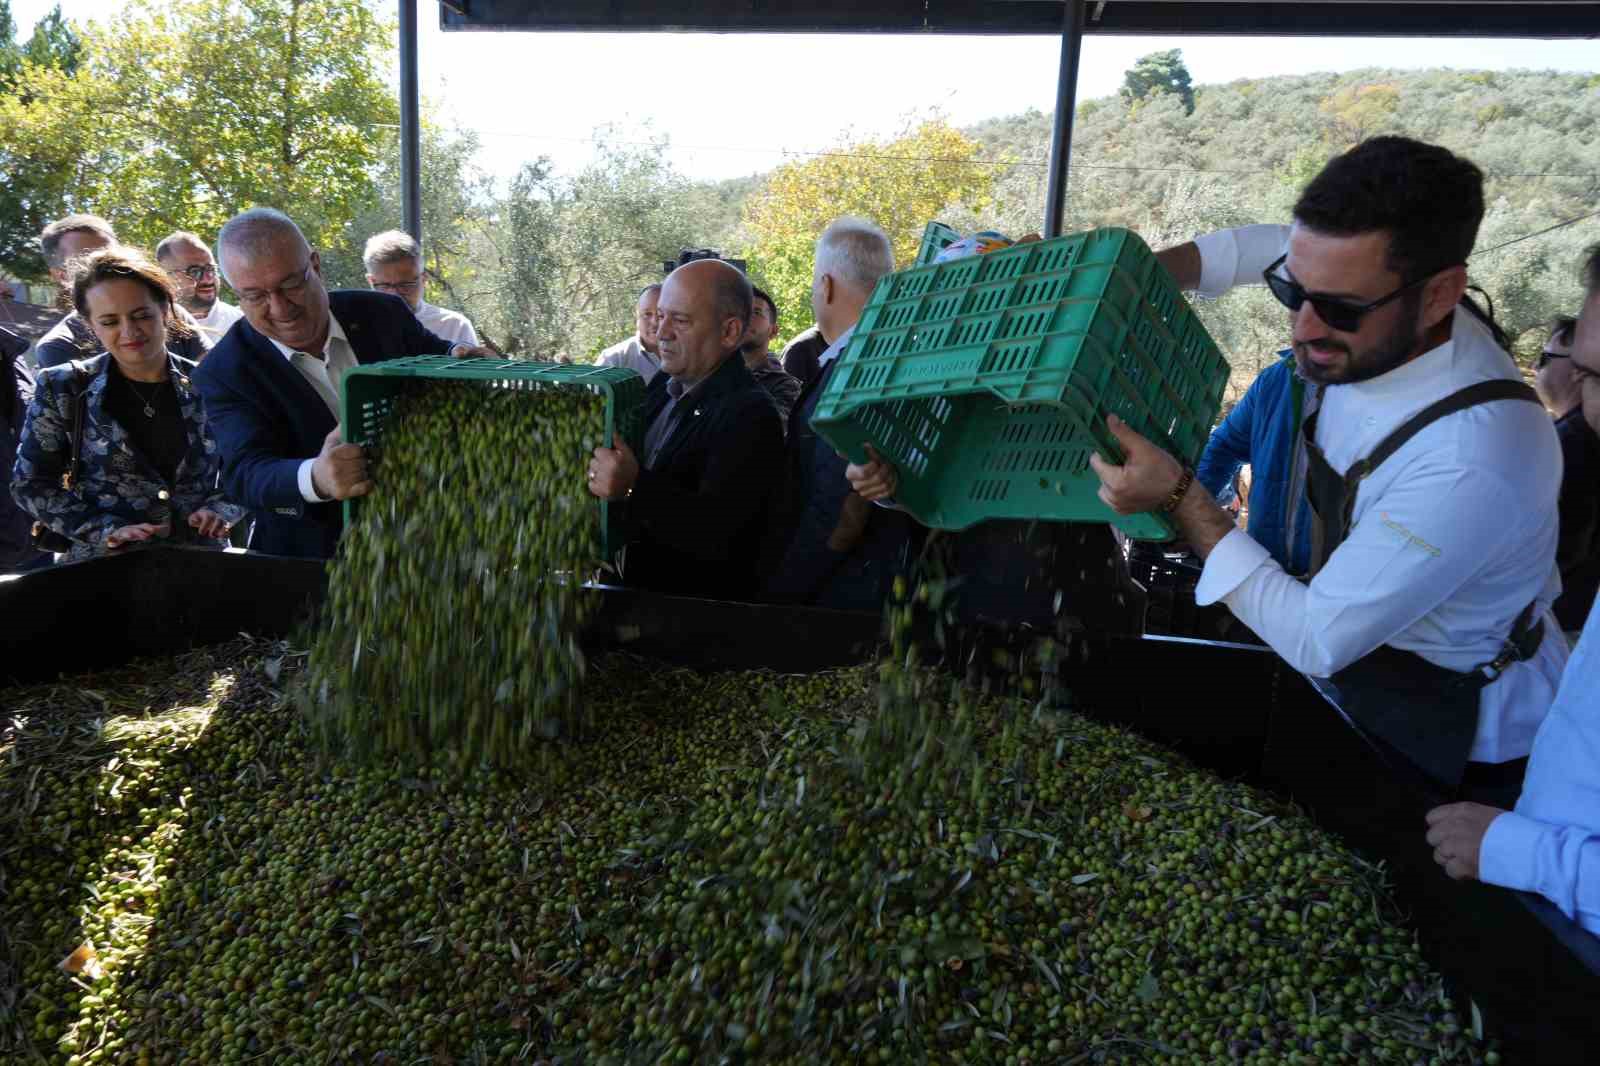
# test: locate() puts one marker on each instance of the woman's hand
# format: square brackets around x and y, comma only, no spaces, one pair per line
[209,523]
[135,533]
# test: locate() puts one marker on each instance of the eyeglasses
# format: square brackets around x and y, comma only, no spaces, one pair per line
[1547,355]
[199,273]
[398,286]
[290,289]
[1341,315]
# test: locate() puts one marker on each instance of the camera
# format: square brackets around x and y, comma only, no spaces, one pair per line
[689,255]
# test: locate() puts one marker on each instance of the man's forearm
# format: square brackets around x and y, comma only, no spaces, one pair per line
[1183,263]
[1201,521]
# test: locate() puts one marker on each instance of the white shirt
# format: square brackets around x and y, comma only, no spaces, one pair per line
[832,351]
[218,321]
[1452,536]
[1551,843]
[452,326]
[631,355]
[325,376]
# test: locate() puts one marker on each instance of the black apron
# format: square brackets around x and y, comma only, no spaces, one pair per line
[1428,714]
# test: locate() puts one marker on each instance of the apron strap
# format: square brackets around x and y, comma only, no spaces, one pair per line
[1478,393]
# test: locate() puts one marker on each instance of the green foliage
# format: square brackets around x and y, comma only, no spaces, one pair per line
[900,184]
[35,181]
[1159,72]
[180,114]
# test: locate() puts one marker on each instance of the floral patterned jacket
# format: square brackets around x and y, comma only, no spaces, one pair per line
[116,486]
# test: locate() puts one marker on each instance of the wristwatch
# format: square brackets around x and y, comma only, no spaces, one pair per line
[1179,491]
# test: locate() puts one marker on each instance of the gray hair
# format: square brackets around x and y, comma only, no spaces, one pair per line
[855,251]
[391,246]
[170,243]
[253,232]
[653,287]
[53,234]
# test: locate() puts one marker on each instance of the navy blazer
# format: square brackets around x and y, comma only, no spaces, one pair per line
[696,519]
[267,419]
[806,569]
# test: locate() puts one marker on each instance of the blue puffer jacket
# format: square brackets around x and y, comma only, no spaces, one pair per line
[1263,429]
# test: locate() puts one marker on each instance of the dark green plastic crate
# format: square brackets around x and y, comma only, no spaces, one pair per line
[368,394]
[987,380]
[936,237]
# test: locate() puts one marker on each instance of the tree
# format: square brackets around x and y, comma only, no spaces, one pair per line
[1159,72]
[1361,111]
[178,116]
[36,180]
[902,185]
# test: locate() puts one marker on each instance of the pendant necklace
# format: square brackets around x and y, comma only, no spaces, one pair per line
[149,403]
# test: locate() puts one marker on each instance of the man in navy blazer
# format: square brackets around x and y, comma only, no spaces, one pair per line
[271,385]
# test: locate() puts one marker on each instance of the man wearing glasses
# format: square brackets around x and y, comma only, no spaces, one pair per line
[394,265]
[271,386]
[1432,472]
[1560,385]
[187,260]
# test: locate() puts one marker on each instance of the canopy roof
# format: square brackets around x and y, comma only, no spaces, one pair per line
[1356,18]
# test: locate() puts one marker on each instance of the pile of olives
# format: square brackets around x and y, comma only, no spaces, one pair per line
[723,868]
[456,595]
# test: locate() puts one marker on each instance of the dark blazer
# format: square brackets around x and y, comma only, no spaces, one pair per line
[696,520]
[267,419]
[805,568]
[16,393]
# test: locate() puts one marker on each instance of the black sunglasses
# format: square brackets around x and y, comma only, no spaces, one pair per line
[1546,356]
[1341,315]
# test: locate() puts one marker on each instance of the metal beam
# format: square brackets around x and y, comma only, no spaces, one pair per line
[1333,18]
[1055,200]
[410,123]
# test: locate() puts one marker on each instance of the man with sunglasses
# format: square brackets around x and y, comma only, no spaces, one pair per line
[271,386]
[1432,472]
[187,260]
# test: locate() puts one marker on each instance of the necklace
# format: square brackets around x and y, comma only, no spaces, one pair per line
[149,402]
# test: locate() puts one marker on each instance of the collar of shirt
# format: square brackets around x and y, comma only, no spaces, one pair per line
[335,332]
[836,347]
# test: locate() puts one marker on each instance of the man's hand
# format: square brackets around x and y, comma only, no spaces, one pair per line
[613,471]
[472,351]
[340,471]
[1146,477]
[135,533]
[1456,832]
[208,523]
[873,480]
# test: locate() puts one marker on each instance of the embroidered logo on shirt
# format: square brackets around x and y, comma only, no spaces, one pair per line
[1410,537]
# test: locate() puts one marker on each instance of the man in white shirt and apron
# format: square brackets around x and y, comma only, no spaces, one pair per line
[1432,470]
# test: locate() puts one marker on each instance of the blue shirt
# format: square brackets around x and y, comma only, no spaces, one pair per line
[1551,843]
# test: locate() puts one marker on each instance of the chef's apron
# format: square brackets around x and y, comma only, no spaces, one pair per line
[1427,713]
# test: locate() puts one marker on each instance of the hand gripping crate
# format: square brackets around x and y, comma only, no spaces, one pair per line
[987,380]
[368,394]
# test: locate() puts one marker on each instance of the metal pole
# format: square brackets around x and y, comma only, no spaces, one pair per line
[410,123]
[1055,201]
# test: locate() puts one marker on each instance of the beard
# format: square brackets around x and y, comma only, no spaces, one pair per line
[1390,351]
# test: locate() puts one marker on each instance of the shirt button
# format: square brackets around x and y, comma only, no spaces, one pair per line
[1372,421]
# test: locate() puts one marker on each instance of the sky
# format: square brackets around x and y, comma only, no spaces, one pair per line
[732,105]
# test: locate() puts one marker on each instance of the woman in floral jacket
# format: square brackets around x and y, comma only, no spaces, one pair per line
[147,467]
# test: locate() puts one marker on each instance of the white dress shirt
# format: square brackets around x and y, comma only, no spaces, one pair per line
[1551,843]
[1452,536]
[453,326]
[631,355]
[218,321]
[324,375]
[832,351]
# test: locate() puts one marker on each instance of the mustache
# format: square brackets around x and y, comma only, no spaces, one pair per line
[1301,347]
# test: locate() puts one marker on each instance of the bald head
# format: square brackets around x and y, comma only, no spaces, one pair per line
[278,277]
[704,308]
[251,234]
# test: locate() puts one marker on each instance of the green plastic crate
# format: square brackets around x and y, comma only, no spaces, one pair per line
[935,239]
[368,393]
[987,380]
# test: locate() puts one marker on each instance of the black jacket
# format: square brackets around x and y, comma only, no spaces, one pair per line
[267,418]
[696,520]
[16,392]
[806,568]
[1578,549]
